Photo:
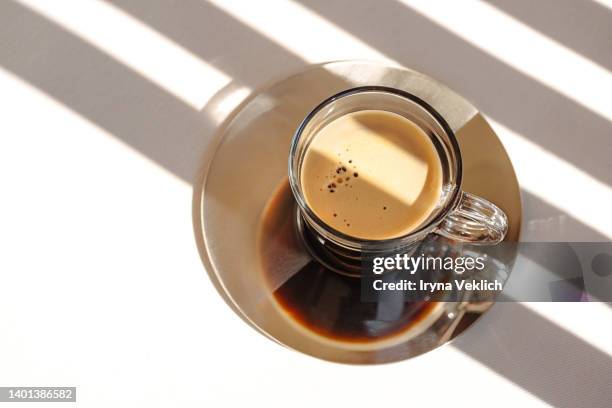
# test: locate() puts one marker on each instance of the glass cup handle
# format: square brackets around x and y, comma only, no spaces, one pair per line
[475,220]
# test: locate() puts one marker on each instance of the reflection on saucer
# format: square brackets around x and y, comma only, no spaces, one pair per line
[250,160]
[323,301]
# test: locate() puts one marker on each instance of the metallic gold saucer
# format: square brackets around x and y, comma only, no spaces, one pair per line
[243,181]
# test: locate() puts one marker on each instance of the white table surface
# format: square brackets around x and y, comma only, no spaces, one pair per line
[103,127]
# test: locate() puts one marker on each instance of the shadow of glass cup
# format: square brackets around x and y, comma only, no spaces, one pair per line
[457,215]
[245,216]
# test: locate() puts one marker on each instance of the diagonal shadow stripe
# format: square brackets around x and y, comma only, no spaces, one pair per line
[542,357]
[215,37]
[584,26]
[128,106]
[118,99]
[544,221]
[101,89]
[513,99]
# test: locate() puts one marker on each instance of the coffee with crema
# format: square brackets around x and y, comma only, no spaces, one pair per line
[372,174]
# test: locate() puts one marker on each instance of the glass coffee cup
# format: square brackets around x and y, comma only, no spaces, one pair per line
[456,215]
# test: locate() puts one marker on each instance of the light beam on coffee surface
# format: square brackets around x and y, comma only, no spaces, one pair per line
[372,175]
